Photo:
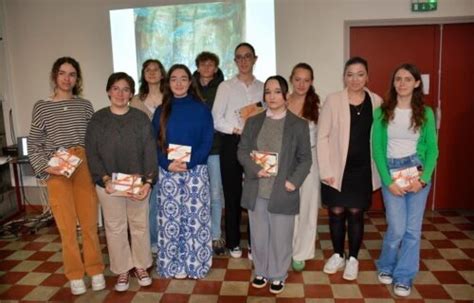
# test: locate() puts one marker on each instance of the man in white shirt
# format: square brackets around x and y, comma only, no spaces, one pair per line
[233,94]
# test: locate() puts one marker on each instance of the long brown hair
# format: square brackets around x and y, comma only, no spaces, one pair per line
[166,106]
[417,104]
[310,110]
[144,88]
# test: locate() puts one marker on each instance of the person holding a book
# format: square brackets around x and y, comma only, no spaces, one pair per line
[404,144]
[121,151]
[232,96]
[345,166]
[149,97]
[184,130]
[60,122]
[304,102]
[275,152]
[207,77]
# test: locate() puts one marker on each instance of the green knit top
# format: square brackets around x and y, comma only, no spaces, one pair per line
[426,148]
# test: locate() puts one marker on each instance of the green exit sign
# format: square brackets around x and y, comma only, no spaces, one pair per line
[424,5]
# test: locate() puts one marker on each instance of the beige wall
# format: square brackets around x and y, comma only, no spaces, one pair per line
[36,32]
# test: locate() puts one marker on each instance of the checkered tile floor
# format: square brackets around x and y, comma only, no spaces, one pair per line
[31,270]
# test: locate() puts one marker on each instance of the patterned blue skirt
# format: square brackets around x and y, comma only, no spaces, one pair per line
[184,223]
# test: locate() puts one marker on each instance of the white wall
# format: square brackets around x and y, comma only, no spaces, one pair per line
[315,31]
[37,32]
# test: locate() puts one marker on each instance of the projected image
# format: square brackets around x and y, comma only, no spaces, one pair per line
[177,33]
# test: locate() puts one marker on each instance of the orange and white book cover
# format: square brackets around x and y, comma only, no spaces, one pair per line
[249,110]
[178,152]
[405,176]
[125,184]
[66,161]
[266,160]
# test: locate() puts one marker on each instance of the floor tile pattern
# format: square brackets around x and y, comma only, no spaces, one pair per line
[31,271]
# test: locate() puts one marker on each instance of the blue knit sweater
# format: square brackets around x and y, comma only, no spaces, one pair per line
[190,123]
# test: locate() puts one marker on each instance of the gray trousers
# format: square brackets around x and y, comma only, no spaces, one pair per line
[272,236]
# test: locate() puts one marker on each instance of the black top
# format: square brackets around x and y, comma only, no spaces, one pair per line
[356,190]
[208,93]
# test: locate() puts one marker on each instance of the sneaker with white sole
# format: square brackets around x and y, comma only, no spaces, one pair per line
[385,278]
[335,263]
[352,269]
[259,282]
[98,282]
[123,282]
[401,290]
[78,287]
[236,252]
[143,277]
[249,254]
[181,276]
[277,287]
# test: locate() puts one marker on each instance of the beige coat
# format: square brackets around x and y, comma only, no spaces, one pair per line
[333,137]
[139,104]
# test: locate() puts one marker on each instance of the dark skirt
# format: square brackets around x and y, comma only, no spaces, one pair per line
[356,190]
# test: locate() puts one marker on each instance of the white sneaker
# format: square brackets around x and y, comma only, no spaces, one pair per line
[123,282]
[351,270]
[402,290]
[98,282]
[385,278]
[335,263]
[143,277]
[181,276]
[78,287]
[249,254]
[236,252]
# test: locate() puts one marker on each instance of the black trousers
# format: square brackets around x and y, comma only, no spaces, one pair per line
[231,172]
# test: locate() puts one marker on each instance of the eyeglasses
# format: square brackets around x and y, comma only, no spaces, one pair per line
[117,89]
[245,57]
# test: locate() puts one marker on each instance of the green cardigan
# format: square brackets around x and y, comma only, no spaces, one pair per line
[426,148]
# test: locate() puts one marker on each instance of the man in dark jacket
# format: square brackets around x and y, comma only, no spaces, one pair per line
[207,77]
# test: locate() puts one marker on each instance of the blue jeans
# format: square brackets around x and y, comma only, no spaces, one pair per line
[153,213]
[214,168]
[400,254]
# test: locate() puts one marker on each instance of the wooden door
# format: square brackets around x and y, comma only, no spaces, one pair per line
[455,171]
[387,47]
[434,48]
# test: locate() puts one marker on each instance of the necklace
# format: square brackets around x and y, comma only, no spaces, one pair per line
[359,108]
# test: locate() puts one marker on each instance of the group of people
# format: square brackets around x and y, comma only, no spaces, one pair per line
[334,153]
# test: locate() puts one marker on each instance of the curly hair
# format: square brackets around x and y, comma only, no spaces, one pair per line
[417,104]
[311,103]
[77,89]
[204,56]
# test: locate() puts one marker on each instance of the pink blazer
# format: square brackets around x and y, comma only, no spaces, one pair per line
[333,137]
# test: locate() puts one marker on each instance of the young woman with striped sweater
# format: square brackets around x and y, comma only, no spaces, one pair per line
[61,121]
